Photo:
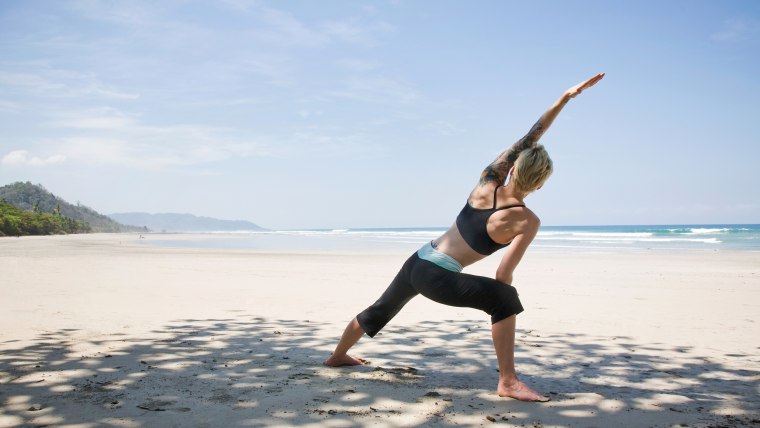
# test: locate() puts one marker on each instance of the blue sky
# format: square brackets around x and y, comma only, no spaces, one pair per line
[334,114]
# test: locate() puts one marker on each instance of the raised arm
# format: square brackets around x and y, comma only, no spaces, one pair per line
[498,169]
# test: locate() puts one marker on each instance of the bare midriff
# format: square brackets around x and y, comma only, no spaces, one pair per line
[455,246]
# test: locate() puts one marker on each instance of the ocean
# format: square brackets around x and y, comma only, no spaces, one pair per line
[735,237]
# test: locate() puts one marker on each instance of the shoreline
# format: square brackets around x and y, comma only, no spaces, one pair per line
[676,238]
[237,337]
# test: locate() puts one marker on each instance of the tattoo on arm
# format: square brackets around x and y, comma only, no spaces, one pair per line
[532,137]
[496,171]
[499,168]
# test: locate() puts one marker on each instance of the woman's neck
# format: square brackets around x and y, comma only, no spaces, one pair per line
[511,192]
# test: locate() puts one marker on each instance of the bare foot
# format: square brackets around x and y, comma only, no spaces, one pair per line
[519,391]
[344,360]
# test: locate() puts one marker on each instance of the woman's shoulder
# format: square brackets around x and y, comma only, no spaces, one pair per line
[533,221]
[520,219]
[482,195]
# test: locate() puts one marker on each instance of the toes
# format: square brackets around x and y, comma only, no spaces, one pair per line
[523,393]
[346,360]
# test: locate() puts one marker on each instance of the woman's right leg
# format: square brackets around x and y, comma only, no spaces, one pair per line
[375,317]
[351,335]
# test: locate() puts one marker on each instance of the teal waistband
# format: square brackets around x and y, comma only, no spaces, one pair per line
[429,253]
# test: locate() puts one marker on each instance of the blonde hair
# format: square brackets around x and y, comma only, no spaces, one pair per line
[532,168]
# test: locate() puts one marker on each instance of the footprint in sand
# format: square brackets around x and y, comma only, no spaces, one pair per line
[161,405]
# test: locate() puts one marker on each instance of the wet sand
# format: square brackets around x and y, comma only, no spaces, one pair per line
[101,330]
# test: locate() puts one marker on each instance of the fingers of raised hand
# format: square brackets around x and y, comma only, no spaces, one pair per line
[587,84]
[592,81]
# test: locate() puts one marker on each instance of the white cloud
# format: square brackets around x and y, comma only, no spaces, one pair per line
[97,118]
[153,147]
[353,30]
[276,71]
[242,101]
[22,158]
[239,5]
[58,83]
[141,155]
[283,27]
[131,14]
[377,89]
[358,64]
[336,143]
[736,30]
[108,136]
[9,106]
[305,113]
[156,25]
[444,128]
[345,30]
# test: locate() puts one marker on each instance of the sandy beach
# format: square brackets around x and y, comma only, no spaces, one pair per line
[103,330]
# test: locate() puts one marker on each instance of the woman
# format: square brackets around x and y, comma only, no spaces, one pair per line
[494,217]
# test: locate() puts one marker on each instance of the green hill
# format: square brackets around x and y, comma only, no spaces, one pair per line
[17,222]
[35,199]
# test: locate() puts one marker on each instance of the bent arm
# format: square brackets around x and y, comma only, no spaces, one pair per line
[514,253]
[498,169]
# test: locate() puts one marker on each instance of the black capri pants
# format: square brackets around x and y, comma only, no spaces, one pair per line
[418,276]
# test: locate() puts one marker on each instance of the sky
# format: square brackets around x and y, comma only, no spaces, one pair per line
[349,114]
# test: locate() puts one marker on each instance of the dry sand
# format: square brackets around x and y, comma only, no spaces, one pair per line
[99,330]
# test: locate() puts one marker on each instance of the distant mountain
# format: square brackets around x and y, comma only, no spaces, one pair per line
[37,199]
[169,222]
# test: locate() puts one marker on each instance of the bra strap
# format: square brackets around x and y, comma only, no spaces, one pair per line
[494,196]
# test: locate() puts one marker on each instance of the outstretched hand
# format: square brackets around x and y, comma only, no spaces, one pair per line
[577,89]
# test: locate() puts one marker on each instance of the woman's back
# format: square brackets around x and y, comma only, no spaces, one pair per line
[493,216]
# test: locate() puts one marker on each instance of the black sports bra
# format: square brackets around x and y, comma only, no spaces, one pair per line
[473,226]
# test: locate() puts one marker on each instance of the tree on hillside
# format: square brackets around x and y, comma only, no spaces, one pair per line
[17,222]
[34,197]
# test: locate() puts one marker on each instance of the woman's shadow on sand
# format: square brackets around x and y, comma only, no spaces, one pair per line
[252,371]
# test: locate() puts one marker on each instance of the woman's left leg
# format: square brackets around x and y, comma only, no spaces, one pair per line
[503,334]
[498,299]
